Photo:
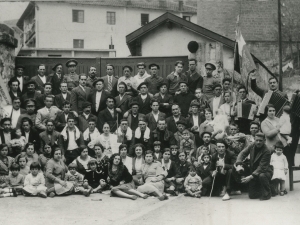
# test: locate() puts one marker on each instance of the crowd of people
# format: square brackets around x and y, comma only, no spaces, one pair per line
[140,135]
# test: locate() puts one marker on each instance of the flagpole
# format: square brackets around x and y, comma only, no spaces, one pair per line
[280,45]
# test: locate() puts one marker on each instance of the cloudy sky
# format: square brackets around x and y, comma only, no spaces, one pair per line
[11,10]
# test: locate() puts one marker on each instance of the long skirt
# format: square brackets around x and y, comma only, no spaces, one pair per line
[149,187]
[59,189]
[123,187]
[34,190]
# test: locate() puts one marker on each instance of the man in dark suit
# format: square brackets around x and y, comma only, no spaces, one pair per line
[221,169]
[98,97]
[41,78]
[110,81]
[31,93]
[261,171]
[195,120]
[92,77]
[155,80]
[63,96]
[165,99]
[6,134]
[184,99]
[153,117]
[80,94]
[123,99]
[29,133]
[243,123]
[195,80]
[62,117]
[171,121]
[57,78]
[14,90]
[40,99]
[143,99]
[109,115]
[133,116]
[21,78]
[85,117]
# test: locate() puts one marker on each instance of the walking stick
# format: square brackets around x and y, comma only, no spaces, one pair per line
[212,187]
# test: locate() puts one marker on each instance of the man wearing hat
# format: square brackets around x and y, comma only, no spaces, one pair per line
[178,135]
[176,116]
[98,97]
[21,78]
[133,115]
[123,99]
[154,81]
[41,79]
[184,98]
[216,101]
[142,73]
[165,99]
[14,90]
[109,115]
[143,99]
[110,81]
[209,81]
[153,117]
[30,113]
[195,80]
[48,112]
[129,81]
[175,77]
[206,140]
[80,94]
[86,116]
[195,120]
[57,78]
[63,96]
[13,111]
[92,77]
[30,92]
[72,78]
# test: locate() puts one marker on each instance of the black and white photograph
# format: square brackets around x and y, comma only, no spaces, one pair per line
[143,112]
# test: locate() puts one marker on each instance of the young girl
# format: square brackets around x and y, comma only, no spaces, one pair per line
[17,143]
[14,182]
[22,161]
[77,179]
[96,180]
[34,183]
[157,151]
[280,164]
[193,184]
[5,163]
[174,153]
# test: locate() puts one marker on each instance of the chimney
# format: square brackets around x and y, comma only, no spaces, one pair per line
[180,5]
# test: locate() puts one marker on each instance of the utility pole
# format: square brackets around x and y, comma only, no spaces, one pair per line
[280,45]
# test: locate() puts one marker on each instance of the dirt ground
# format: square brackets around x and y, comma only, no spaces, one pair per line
[177,210]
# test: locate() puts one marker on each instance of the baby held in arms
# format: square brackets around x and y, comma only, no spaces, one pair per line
[220,123]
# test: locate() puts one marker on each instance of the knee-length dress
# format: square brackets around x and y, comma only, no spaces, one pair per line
[123,175]
[149,173]
[35,184]
[279,162]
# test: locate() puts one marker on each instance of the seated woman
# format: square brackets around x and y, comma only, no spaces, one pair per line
[107,140]
[101,160]
[97,181]
[55,175]
[271,127]
[137,163]
[153,175]
[30,154]
[82,161]
[172,172]
[5,163]
[184,167]
[126,160]
[120,180]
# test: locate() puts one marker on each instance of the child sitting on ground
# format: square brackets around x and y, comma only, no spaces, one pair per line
[22,161]
[187,145]
[157,151]
[193,184]
[18,143]
[204,170]
[96,180]
[77,179]
[286,126]
[14,182]
[34,183]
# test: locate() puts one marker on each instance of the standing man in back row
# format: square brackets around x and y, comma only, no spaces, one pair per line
[209,82]
[110,81]
[195,80]
[155,80]
[175,78]
[142,74]
[72,78]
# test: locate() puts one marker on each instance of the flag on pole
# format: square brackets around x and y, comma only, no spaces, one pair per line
[289,65]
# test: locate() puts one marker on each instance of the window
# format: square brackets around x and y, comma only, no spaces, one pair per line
[144,19]
[78,43]
[78,16]
[187,18]
[111,18]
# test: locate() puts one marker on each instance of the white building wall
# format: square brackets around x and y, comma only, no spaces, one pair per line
[56,29]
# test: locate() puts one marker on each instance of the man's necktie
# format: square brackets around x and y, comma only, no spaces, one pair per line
[109,83]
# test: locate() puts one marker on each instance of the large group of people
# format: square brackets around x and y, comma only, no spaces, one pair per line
[140,135]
